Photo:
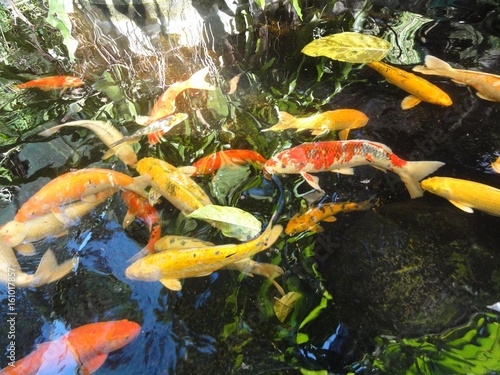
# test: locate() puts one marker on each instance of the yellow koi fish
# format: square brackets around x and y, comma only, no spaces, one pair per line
[322,123]
[487,85]
[496,165]
[107,133]
[465,194]
[175,186]
[48,270]
[310,219]
[170,266]
[420,89]
[21,234]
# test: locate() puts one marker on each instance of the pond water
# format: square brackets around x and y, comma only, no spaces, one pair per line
[400,288]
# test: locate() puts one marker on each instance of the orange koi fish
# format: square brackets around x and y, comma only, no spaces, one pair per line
[139,207]
[487,85]
[82,350]
[310,219]
[52,83]
[211,163]
[322,123]
[82,184]
[175,186]
[107,133]
[21,234]
[341,156]
[165,105]
[420,89]
[47,272]
[465,194]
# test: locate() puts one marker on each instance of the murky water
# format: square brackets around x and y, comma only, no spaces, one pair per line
[402,287]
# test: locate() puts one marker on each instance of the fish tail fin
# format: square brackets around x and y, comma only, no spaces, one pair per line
[198,80]
[414,171]
[49,271]
[49,132]
[139,185]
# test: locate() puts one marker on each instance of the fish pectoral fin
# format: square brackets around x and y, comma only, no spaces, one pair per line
[108,154]
[153,196]
[313,181]
[316,228]
[26,249]
[49,271]
[128,219]
[188,170]
[319,132]
[347,171]
[462,206]
[329,219]
[482,96]
[142,120]
[409,102]
[343,134]
[91,365]
[64,218]
[91,198]
[172,284]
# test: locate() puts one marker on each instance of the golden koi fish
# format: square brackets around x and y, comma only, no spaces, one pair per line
[420,89]
[309,220]
[107,133]
[20,234]
[48,270]
[322,123]
[465,194]
[175,186]
[487,85]
[170,266]
[496,165]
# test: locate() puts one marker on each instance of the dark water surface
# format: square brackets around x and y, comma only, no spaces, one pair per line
[401,288]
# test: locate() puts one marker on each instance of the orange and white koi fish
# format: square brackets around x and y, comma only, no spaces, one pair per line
[487,85]
[465,194]
[170,266]
[21,234]
[165,105]
[175,186]
[107,133]
[341,156]
[309,220]
[420,89]
[47,272]
[322,123]
[162,126]
[52,83]
[82,350]
[139,207]
[211,163]
[83,184]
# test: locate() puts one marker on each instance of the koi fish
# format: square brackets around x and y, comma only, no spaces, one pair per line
[487,85]
[139,207]
[165,105]
[52,83]
[322,123]
[420,89]
[83,184]
[341,156]
[175,186]
[211,163]
[171,242]
[309,220]
[47,272]
[82,350]
[21,234]
[465,194]
[108,134]
[170,266]
[162,126]
[496,165]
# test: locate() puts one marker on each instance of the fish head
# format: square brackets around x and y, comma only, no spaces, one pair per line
[120,333]
[74,81]
[145,271]
[435,185]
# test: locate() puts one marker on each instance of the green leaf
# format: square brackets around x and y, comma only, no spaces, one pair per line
[285,304]
[349,47]
[58,18]
[232,221]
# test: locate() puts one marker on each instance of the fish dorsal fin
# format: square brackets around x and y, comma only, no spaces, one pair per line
[462,206]
[409,102]
[172,284]
[432,62]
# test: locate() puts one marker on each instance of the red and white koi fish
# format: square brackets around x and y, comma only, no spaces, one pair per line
[211,163]
[139,208]
[80,351]
[165,105]
[83,184]
[420,89]
[341,156]
[487,85]
[107,133]
[52,83]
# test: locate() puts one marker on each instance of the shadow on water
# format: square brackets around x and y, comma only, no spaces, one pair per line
[400,288]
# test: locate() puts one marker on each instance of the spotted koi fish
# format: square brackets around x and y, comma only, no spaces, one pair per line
[341,156]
